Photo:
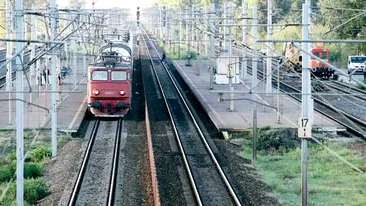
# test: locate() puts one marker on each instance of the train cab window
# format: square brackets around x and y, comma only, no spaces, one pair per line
[119,75]
[315,54]
[100,75]
[324,55]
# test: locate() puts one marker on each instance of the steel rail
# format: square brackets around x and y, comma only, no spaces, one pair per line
[352,119]
[180,145]
[358,96]
[84,164]
[112,182]
[202,136]
[349,86]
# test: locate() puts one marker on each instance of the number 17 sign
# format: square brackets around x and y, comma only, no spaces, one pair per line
[304,128]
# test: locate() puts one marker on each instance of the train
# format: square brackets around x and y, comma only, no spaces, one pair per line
[294,57]
[110,80]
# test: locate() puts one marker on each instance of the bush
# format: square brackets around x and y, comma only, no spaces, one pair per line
[34,190]
[11,157]
[275,139]
[40,153]
[32,170]
[278,139]
[360,86]
[9,198]
[7,172]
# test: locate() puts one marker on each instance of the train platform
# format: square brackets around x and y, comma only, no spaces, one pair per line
[197,77]
[71,103]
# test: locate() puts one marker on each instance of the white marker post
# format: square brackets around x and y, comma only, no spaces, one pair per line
[33,52]
[19,104]
[305,123]
[9,49]
[180,29]
[269,47]
[53,80]
[254,81]
[231,70]
[245,61]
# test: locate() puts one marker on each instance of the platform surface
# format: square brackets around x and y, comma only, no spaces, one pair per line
[197,77]
[71,104]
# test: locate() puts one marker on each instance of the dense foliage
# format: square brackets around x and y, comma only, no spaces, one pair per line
[269,139]
[34,190]
[335,16]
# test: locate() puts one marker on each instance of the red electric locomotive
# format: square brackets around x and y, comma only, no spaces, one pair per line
[109,81]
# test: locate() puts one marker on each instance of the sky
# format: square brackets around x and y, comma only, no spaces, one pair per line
[106,4]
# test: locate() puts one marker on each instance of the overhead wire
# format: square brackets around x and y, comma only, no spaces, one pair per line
[323,99]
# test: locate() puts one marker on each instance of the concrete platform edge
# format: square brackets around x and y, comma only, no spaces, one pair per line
[204,104]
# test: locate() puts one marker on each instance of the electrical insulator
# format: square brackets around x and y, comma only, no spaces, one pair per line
[138,16]
[138,13]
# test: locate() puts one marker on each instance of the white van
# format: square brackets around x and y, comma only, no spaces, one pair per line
[357,63]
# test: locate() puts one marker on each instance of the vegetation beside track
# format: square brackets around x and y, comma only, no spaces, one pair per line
[35,187]
[330,181]
[172,51]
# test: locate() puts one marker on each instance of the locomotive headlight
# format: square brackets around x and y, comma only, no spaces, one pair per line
[122,93]
[96,92]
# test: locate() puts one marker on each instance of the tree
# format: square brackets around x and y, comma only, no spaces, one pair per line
[336,13]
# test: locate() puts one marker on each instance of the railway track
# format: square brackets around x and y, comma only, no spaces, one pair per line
[97,177]
[347,89]
[349,121]
[208,182]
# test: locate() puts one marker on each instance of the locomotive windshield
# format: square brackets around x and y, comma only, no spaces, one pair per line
[100,75]
[119,75]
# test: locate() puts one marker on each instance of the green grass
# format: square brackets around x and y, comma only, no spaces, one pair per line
[330,181]
[39,153]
